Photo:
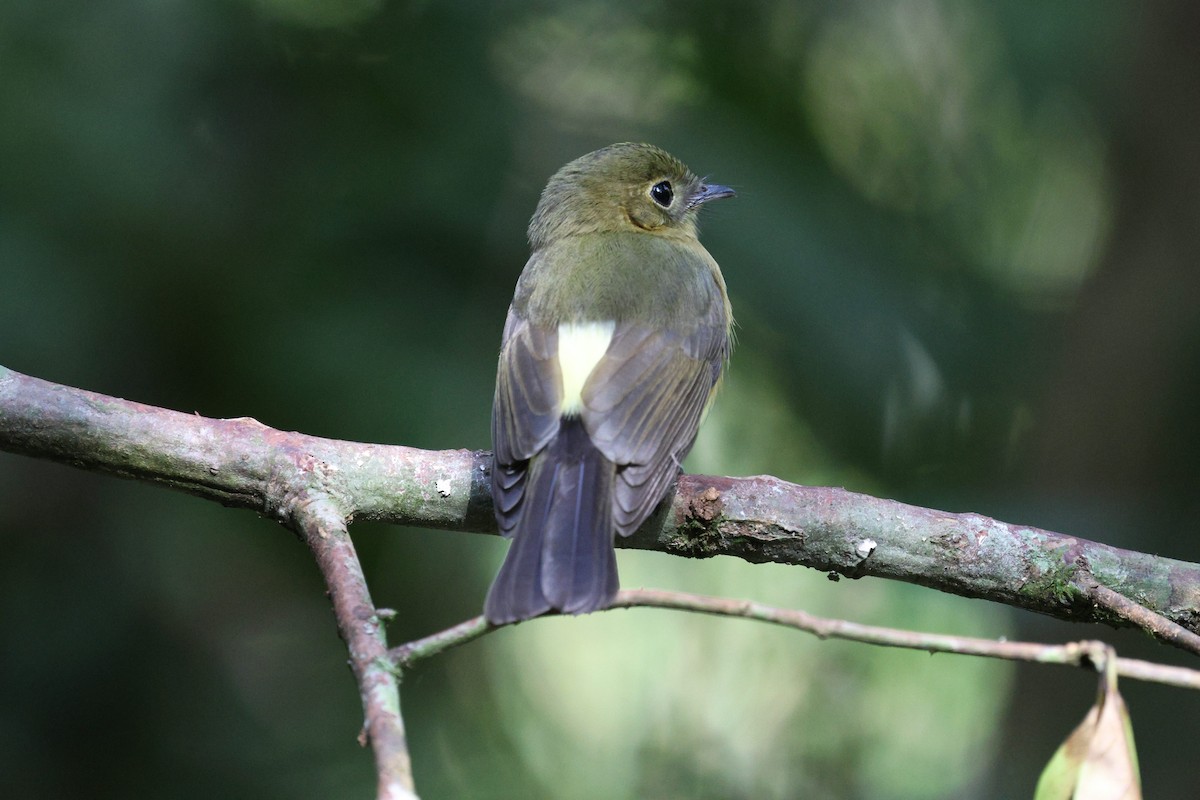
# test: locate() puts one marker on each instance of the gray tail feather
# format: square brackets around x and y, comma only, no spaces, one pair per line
[561,557]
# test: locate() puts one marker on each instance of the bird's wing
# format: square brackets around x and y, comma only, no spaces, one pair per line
[643,403]
[526,409]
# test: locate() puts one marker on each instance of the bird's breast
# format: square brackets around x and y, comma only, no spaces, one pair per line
[624,277]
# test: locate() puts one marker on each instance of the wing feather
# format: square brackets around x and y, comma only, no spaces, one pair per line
[643,404]
[525,411]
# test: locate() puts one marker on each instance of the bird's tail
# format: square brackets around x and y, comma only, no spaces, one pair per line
[561,557]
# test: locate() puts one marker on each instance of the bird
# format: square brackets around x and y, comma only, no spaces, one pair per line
[613,348]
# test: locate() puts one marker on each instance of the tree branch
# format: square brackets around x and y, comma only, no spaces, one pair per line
[323,527]
[243,463]
[1089,655]
[238,463]
[854,535]
[1157,625]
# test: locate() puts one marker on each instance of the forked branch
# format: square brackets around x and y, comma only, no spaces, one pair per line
[243,463]
[315,486]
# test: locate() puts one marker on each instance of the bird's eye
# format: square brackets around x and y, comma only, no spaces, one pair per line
[662,193]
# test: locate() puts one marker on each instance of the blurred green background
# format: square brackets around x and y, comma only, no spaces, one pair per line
[964,263]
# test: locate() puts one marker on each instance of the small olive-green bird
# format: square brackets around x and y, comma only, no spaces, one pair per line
[613,348]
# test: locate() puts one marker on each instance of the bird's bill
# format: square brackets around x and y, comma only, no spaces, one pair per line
[710,191]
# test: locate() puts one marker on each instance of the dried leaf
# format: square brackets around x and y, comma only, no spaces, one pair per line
[1098,760]
[1111,768]
[1060,776]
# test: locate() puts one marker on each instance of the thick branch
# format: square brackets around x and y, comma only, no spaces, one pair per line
[854,535]
[241,462]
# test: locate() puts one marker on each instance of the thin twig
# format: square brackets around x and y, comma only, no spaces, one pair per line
[1087,654]
[1156,624]
[324,529]
[405,655]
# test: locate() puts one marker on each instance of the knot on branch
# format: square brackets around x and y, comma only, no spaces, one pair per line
[296,479]
[698,533]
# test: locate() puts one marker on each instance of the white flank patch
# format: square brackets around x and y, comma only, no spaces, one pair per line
[581,345]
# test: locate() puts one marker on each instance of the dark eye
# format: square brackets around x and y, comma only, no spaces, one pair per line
[662,193]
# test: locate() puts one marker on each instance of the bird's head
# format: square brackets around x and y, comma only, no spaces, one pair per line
[622,187]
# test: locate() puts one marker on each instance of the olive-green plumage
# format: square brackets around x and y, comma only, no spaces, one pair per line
[613,347]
